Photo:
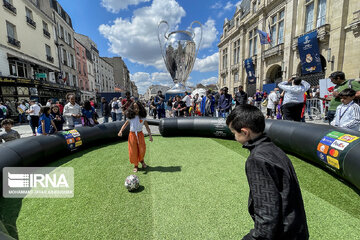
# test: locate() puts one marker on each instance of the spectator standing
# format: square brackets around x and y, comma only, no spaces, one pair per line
[114,106]
[294,98]
[348,112]
[241,97]
[258,98]
[208,105]
[9,134]
[126,102]
[105,109]
[88,113]
[160,106]
[45,122]
[34,112]
[49,103]
[187,101]
[72,112]
[272,103]
[169,106]
[60,106]
[3,111]
[22,109]
[179,107]
[57,118]
[225,103]
[217,97]
[118,111]
[338,78]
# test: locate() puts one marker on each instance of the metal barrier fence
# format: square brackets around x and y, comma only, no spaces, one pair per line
[315,108]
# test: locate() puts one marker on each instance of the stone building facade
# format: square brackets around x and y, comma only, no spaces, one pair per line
[106,74]
[338,31]
[121,73]
[29,63]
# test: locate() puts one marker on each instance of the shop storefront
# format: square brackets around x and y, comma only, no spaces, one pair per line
[13,90]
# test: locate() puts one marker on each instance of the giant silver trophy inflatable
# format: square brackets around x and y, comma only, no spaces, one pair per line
[179,53]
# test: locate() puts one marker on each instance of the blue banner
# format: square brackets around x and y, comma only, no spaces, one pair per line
[309,53]
[250,71]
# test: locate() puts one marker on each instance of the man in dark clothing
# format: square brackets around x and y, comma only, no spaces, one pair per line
[179,107]
[160,105]
[241,97]
[275,202]
[105,109]
[225,103]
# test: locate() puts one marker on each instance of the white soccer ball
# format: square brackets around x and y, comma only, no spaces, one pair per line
[132,183]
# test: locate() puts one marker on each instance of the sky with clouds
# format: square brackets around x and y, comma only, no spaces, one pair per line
[129,28]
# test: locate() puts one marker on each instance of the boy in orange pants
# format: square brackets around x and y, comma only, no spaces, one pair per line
[136,115]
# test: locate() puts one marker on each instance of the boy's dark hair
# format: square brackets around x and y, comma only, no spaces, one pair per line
[131,113]
[348,92]
[297,81]
[7,121]
[44,110]
[246,116]
[337,74]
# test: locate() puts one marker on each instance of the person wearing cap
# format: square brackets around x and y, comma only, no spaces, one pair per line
[339,79]
[225,103]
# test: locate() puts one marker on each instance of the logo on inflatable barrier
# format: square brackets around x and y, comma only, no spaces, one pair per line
[321,156]
[334,153]
[323,148]
[340,145]
[73,139]
[327,141]
[333,162]
[335,134]
[349,138]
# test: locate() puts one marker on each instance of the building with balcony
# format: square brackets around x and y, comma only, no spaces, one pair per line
[29,63]
[106,73]
[95,58]
[64,41]
[338,35]
[82,71]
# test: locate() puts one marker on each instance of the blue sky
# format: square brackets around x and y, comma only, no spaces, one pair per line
[128,28]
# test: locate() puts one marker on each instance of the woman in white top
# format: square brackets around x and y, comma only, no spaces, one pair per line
[34,112]
[72,113]
[136,115]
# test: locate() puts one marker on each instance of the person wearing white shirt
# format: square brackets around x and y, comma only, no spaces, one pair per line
[293,103]
[34,112]
[273,99]
[118,111]
[347,114]
[72,113]
[187,101]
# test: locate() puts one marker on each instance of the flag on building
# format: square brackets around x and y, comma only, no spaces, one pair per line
[264,37]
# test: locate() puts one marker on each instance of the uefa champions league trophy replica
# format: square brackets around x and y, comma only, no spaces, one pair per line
[179,53]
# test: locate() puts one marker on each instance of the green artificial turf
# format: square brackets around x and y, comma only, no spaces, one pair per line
[195,188]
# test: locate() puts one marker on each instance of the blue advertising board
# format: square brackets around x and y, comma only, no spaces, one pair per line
[309,53]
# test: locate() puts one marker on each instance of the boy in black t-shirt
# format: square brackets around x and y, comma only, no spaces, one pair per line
[275,201]
[179,107]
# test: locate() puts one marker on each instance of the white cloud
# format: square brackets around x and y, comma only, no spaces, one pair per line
[144,80]
[208,64]
[228,6]
[209,34]
[217,5]
[115,6]
[136,38]
[212,80]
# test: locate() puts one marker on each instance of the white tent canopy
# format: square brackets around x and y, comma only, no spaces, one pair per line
[200,91]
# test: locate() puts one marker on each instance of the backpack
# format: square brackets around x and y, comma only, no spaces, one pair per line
[116,105]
